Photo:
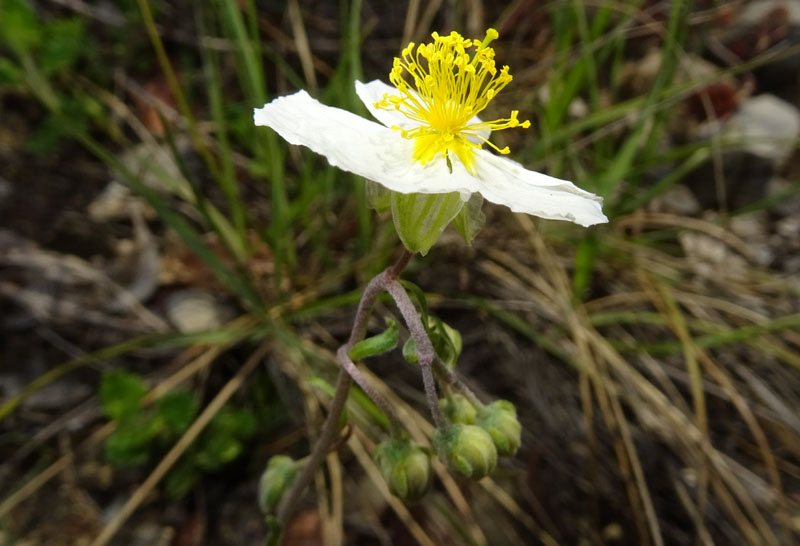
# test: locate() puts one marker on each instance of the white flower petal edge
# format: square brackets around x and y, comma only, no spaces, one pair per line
[373,151]
[508,183]
[360,146]
[373,91]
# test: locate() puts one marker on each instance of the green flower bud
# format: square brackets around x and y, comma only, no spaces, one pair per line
[458,409]
[280,474]
[499,419]
[466,449]
[406,467]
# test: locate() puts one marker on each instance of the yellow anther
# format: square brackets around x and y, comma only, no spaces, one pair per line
[451,85]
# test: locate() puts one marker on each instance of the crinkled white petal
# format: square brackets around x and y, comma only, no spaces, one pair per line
[373,151]
[363,147]
[508,183]
[373,91]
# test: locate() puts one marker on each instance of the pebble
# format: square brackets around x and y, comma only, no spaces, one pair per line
[191,310]
[768,126]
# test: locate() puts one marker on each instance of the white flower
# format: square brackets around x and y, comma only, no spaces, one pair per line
[430,138]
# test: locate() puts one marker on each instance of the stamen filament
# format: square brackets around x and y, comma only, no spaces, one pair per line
[442,87]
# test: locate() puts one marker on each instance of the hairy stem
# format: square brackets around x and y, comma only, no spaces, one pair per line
[326,439]
[450,378]
[425,351]
[329,432]
[395,427]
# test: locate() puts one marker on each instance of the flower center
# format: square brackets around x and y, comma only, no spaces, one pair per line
[443,87]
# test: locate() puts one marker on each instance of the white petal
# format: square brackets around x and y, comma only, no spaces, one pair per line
[508,183]
[373,151]
[363,147]
[372,92]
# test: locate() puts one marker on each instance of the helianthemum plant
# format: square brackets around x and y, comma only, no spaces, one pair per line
[426,162]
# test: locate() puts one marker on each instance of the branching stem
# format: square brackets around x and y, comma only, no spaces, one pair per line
[349,372]
[425,351]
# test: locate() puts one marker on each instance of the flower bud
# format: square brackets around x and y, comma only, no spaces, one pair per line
[458,409]
[406,467]
[499,419]
[280,474]
[466,449]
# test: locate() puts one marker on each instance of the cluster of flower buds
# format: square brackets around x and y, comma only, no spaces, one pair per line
[475,437]
[468,439]
[469,443]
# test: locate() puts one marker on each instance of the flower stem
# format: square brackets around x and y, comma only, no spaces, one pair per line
[425,351]
[395,428]
[330,428]
[449,378]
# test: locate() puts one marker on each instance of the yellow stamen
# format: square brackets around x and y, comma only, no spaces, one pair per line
[443,87]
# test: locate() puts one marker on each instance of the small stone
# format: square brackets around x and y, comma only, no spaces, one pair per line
[193,311]
[768,126]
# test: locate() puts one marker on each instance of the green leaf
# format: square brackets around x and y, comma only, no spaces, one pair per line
[129,444]
[236,422]
[218,450]
[181,478]
[19,26]
[420,218]
[376,345]
[471,219]
[121,394]
[177,410]
[65,41]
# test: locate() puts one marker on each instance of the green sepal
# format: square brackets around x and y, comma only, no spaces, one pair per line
[378,197]
[420,218]
[471,219]
[466,449]
[499,419]
[376,345]
[406,467]
[457,409]
[410,351]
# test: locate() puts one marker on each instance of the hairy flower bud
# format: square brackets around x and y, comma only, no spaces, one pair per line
[406,467]
[458,409]
[499,419]
[466,449]
[280,474]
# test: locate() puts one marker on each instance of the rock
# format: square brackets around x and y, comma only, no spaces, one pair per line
[756,12]
[768,126]
[711,258]
[191,310]
[758,138]
[116,202]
